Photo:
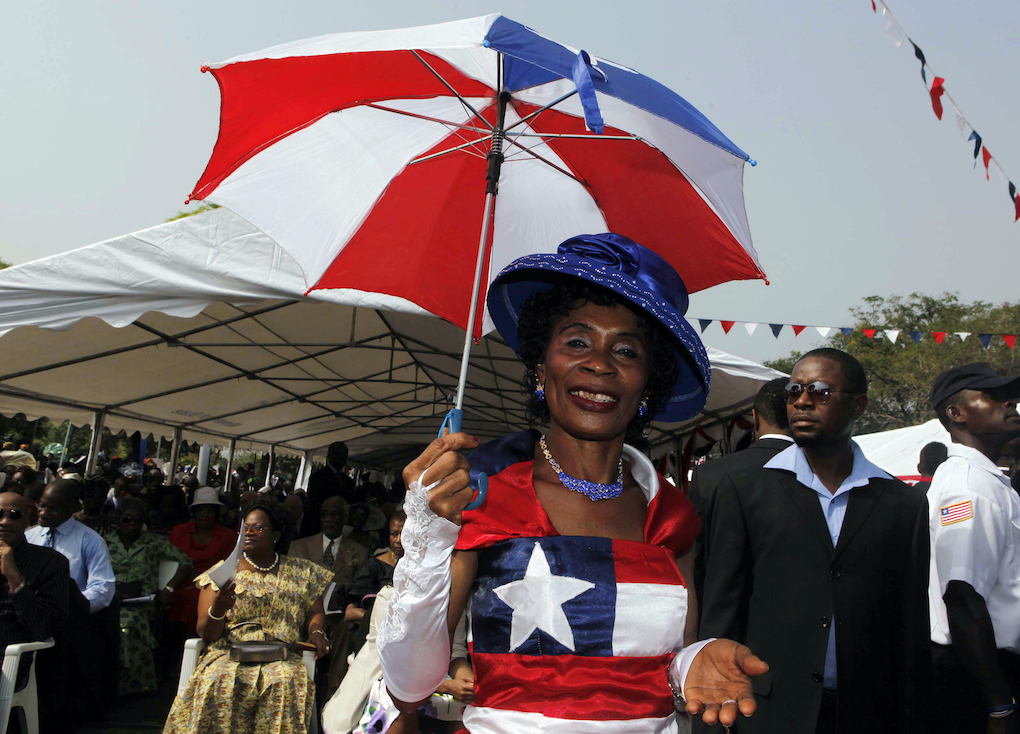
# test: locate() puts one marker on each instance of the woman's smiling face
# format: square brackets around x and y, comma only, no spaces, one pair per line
[595,371]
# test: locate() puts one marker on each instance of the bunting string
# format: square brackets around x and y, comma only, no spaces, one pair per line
[937,92]
[892,335]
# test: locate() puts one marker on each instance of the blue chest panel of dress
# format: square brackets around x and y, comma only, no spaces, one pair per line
[545,596]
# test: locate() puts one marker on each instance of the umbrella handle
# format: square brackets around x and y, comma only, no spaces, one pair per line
[453,420]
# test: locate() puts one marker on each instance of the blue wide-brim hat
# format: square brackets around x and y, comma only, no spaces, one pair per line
[629,270]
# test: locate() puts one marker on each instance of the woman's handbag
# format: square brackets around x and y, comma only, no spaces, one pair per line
[256,651]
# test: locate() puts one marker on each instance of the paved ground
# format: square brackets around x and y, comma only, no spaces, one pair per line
[141,714]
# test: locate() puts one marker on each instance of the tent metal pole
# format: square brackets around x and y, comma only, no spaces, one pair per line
[94,444]
[175,453]
[230,467]
[678,453]
[301,470]
[269,469]
[67,440]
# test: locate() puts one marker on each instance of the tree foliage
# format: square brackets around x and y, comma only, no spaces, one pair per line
[900,374]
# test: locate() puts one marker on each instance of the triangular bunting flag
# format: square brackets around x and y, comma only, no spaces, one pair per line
[891,334]
[823,331]
[776,328]
[938,336]
[961,121]
[936,96]
[874,7]
[986,156]
[847,331]
[977,142]
[870,333]
[920,57]
[963,335]
[893,29]
[916,336]
[727,325]
[750,328]
[1016,200]
[705,323]
[796,329]
[986,339]
[1010,340]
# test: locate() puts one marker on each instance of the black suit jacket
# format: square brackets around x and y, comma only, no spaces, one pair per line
[774,582]
[322,484]
[702,493]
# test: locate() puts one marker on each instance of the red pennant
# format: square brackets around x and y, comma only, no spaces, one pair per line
[870,333]
[986,157]
[936,96]
[1016,203]
[797,329]
[873,6]
[939,336]
[727,325]
[1010,340]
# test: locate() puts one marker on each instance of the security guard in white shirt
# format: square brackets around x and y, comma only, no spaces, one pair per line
[974,527]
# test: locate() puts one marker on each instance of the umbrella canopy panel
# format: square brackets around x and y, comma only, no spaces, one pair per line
[202,324]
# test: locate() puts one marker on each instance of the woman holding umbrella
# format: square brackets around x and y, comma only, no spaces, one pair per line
[576,564]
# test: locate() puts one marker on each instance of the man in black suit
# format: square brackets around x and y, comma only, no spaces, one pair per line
[822,570]
[771,435]
[329,481]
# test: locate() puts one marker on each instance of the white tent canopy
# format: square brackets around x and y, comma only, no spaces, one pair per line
[898,451]
[199,329]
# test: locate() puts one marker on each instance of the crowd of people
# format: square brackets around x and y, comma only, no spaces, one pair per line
[795,587]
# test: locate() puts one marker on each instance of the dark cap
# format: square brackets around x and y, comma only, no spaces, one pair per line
[974,376]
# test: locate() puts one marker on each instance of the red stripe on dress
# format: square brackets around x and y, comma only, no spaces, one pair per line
[574,686]
[641,563]
[264,100]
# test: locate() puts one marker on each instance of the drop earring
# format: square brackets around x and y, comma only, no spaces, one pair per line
[643,408]
[540,393]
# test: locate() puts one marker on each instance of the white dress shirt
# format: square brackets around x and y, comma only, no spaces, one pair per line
[833,507]
[974,528]
[335,542]
[87,555]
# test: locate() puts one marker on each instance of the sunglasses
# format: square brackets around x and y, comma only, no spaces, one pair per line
[254,529]
[13,514]
[126,519]
[817,392]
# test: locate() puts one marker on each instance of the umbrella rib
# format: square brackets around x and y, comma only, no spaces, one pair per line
[448,123]
[576,136]
[524,120]
[450,87]
[471,144]
[547,162]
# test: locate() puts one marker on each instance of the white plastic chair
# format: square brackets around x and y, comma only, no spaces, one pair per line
[193,651]
[167,570]
[27,699]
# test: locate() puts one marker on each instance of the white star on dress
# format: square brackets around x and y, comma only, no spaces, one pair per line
[537,602]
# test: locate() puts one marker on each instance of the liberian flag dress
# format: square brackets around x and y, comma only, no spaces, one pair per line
[572,634]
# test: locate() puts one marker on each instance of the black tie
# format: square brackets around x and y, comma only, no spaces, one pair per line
[327,556]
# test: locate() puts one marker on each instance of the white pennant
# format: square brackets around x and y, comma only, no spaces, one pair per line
[891,334]
[893,29]
[963,335]
[823,331]
[750,328]
[965,128]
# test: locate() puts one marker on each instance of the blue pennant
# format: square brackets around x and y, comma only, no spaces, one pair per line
[986,339]
[776,328]
[977,143]
[920,57]
[847,331]
[916,336]
[705,323]
[586,91]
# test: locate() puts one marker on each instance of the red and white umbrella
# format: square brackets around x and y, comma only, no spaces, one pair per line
[366,157]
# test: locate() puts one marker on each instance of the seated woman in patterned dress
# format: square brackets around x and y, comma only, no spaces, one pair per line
[272,598]
[576,562]
[135,555]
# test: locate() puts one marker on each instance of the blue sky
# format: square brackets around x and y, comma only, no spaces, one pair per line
[107,123]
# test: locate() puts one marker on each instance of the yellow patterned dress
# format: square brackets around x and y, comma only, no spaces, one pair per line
[255,698]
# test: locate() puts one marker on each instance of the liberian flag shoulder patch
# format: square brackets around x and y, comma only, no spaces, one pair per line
[956,513]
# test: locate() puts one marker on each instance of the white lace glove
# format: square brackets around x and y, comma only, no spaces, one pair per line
[414,641]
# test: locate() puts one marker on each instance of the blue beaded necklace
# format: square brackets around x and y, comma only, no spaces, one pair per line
[592,490]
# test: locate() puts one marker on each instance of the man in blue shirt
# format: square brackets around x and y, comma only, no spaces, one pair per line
[89,560]
[823,570]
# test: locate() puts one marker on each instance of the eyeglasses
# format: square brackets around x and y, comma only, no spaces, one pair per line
[13,514]
[817,392]
[254,529]
[133,520]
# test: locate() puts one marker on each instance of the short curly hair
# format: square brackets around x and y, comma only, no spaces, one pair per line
[280,519]
[534,330]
